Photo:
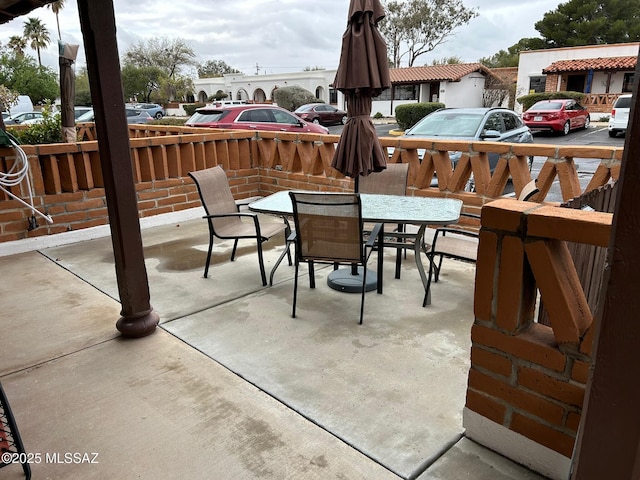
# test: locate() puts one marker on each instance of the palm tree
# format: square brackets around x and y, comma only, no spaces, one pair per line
[55,8]
[17,43]
[37,35]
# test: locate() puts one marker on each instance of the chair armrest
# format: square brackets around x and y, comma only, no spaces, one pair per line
[243,202]
[373,236]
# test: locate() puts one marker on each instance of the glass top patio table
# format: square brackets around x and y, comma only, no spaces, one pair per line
[378,208]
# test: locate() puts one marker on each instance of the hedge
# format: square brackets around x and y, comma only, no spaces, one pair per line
[411,113]
[527,101]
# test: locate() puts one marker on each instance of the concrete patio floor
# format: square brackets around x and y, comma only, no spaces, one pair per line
[230,386]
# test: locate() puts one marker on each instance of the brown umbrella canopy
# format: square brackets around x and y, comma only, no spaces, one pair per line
[363,73]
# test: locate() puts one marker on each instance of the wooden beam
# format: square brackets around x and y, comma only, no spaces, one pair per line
[608,444]
[97,20]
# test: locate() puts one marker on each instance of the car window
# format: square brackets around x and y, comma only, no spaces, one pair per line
[284,117]
[258,115]
[511,122]
[547,106]
[623,102]
[447,124]
[208,116]
[494,122]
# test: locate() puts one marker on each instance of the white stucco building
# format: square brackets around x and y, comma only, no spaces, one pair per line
[460,85]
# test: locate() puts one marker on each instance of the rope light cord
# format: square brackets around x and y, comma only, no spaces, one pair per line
[18,173]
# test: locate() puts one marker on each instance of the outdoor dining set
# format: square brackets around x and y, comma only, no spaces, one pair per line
[336,228]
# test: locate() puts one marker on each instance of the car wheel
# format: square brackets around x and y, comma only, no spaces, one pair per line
[159,116]
[344,120]
[613,133]
[566,128]
[316,121]
[587,121]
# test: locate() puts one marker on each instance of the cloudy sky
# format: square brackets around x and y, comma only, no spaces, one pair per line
[276,36]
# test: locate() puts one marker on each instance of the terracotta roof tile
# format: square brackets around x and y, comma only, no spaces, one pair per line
[435,73]
[608,63]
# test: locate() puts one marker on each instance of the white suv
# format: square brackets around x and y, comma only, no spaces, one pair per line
[619,115]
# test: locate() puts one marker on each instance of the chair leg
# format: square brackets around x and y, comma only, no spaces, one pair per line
[235,246]
[295,290]
[206,265]
[263,274]
[364,283]
[312,275]
[434,270]
[437,272]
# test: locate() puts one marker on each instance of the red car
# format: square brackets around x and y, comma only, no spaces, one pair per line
[557,115]
[321,113]
[252,117]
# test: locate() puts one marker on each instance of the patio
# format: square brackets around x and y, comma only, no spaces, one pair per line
[230,386]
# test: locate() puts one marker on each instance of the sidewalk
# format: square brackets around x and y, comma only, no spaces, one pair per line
[230,386]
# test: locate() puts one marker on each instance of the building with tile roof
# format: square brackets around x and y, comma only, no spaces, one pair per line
[456,85]
[601,72]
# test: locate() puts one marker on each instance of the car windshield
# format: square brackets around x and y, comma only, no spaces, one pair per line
[304,108]
[448,124]
[547,106]
[208,116]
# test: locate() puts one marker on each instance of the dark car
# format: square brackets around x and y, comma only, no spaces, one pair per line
[252,117]
[491,124]
[321,113]
[557,115]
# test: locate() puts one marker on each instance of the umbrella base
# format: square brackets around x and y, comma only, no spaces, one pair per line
[343,280]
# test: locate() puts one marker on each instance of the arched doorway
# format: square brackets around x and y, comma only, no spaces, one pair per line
[242,95]
[202,96]
[259,96]
[320,94]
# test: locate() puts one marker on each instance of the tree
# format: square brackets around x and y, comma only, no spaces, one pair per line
[511,56]
[17,43]
[215,68]
[421,25]
[8,98]
[36,35]
[292,97]
[453,60]
[23,75]
[140,83]
[55,8]
[170,56]
[83,90]
[591,22]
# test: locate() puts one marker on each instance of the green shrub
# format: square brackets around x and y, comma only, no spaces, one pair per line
[49,130]
[378,115]
[190,108]
[527,101]
[408,115]
[293,97]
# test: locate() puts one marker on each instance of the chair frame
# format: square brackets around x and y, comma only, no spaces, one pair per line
[391,181]
[10,434]
[199,179]
[297,238]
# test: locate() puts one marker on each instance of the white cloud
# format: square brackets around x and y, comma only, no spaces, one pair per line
[279,35]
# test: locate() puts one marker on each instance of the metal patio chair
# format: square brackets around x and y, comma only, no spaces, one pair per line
[390,181]
[10,441]
[329,229]
[225,219]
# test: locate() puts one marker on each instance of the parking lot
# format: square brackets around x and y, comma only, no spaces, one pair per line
[595,135]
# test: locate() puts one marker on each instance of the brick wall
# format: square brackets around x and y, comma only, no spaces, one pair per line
[68,185]
[526,377]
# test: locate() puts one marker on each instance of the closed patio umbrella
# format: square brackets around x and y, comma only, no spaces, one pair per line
[363,72]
